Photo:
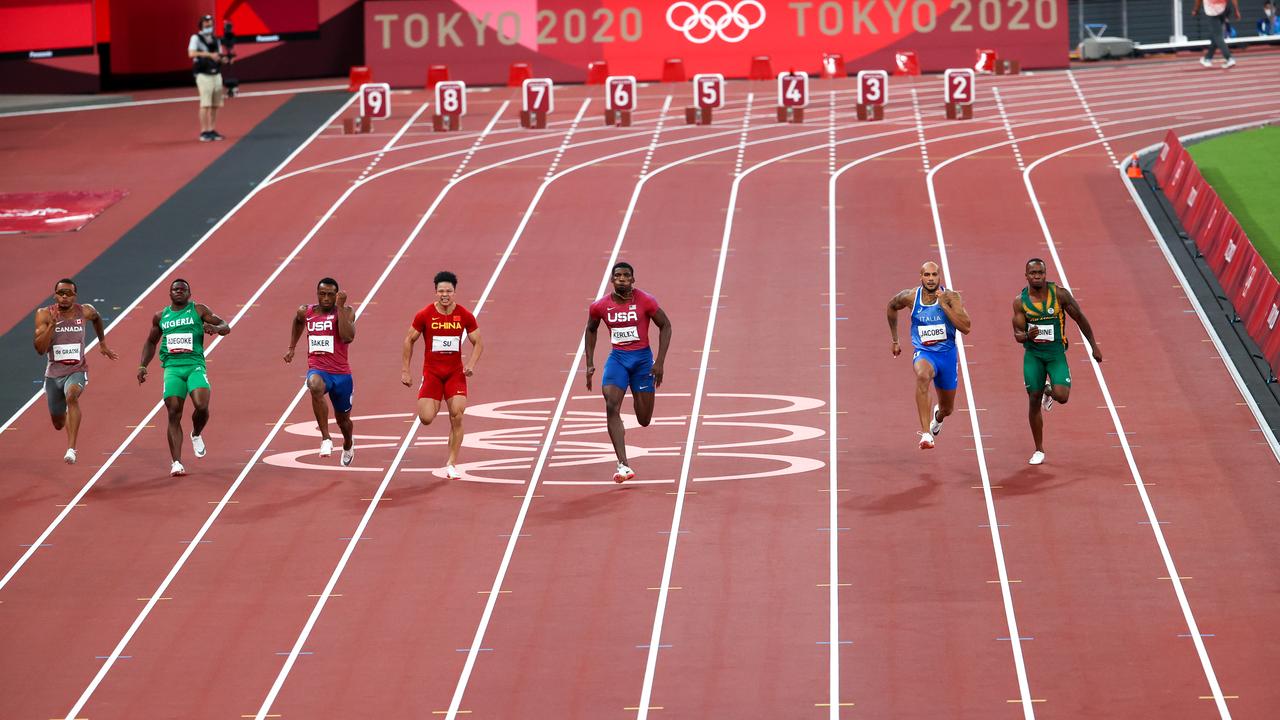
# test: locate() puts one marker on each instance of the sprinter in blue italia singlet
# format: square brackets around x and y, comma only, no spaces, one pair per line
[936,315]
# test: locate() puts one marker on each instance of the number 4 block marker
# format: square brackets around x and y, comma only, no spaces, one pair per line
[619,99]
[959,90]
[451,105]
[793,96]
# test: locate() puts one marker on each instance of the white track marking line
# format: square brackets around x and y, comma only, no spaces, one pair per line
[833,551]
[668,564]
[1088,113]
[1006,595]
[217,511]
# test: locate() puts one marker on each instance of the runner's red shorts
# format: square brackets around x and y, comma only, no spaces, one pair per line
[439,385]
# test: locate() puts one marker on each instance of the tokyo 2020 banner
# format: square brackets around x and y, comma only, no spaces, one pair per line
[479,39]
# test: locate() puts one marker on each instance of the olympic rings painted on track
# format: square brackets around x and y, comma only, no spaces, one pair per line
[702,24]
[583,440]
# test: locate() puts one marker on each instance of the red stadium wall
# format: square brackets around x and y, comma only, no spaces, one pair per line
[478,39]
[137,43]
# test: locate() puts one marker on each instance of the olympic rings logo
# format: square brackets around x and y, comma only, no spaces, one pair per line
[701,24]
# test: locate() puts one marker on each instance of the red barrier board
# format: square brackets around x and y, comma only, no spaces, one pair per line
[1268,337]
[1189,192]
[1204,214]
[1170,151]
[1239,265]
[1260,302]
[1222,247]
[479,39]
[269,17]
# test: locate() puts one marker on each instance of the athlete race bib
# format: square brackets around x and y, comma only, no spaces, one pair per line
[620,335]
[932,334]
[1045,335]
[320,343]
[69,354]
[446,343]
[175,343]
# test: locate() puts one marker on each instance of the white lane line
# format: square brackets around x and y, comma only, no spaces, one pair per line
[217,510]
[833,479]
[668,565]
[1006,595]
[1008,129]
[1093,120]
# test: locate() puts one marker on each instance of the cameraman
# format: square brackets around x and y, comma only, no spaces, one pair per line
[206,56]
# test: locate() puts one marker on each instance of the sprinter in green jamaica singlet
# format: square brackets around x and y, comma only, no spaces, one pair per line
[1038,324]
[179,330]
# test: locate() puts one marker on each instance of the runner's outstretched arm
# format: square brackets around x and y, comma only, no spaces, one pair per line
[346,319]
[1073,309]
[44,331]
[589,345]
[896,303]
[92,313]
[664,341]
[295,333]
[477,349]
[409,340]
[149,348]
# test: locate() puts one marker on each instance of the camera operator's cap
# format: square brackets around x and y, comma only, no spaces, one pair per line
[206,18]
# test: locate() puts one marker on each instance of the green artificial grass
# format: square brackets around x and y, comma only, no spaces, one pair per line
[1244,169]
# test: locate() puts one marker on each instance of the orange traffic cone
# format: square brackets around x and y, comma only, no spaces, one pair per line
[1134,170]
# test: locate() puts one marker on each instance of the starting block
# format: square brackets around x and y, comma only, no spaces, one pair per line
[793,96]
[357,125]
[619,99]
[1008,67]
[537,96]
[873,93]
[451,105]
[905,62]
[959,90]
[986,62]
[708,94]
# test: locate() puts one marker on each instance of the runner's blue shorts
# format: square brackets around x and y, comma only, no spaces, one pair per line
[629,369]
[340,389]
[945,367]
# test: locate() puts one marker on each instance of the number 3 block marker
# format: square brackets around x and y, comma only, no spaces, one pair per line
[873,94]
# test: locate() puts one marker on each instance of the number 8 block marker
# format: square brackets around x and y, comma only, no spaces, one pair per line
[451,105]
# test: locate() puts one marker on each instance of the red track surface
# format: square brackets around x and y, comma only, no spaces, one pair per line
[119,616]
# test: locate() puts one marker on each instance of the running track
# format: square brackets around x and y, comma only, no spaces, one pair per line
[786,550]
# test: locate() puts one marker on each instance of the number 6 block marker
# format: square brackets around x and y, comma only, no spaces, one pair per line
[793,96]
[619,99]
[537,97]
[451,105]
[959,90]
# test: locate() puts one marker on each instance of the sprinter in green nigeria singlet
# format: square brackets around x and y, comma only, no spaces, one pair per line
[1039,325]
[178,330]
